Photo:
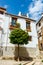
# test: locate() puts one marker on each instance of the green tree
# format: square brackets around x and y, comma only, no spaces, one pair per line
[18,36]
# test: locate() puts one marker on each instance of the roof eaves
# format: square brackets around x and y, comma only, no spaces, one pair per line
[20,17]
[39,20]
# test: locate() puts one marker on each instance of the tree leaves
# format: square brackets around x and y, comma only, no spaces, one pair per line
[18,36]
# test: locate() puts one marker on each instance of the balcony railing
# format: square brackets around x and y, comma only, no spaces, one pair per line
[11,27]
[28,29]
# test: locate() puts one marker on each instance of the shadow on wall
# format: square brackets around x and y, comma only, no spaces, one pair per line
[23,53]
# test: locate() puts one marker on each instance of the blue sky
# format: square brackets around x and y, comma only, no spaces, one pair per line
[32,7]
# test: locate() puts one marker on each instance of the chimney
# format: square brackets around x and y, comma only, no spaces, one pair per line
[27,15]
[19,14]
[2,10]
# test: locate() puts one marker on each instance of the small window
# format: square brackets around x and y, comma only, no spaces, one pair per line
[39,24]
[13,22]
[39,34]
[41,44]
[30,38]
[28,28]
[1,12]
[27,25]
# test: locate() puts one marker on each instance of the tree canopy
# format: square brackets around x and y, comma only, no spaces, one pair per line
[18,36]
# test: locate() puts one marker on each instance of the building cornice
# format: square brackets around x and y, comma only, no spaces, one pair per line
[3,8]
[15,16]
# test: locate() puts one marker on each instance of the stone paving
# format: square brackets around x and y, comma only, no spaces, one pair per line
[38,62]
[12,62]
[31,63]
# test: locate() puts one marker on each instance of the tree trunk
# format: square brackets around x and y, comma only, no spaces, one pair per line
[18,52]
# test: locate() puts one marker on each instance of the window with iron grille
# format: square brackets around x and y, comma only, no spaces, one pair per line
[27,25]
[13,22]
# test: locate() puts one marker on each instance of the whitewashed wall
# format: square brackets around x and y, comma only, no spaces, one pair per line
[22,23]
[4,20]
[33,32]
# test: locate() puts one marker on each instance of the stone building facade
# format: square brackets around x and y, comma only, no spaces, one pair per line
[39,26]
[40,32]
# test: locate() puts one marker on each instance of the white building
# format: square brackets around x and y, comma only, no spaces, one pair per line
[8,22]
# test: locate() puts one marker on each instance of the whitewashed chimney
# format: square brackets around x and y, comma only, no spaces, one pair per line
[19,14]
[27,15]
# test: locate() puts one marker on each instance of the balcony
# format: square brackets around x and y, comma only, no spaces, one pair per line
[11,27]
[28,29]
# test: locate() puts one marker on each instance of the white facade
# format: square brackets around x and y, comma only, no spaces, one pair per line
[5,21]
[33,32]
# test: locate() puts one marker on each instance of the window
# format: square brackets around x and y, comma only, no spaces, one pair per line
[1,12]
[13,22]
[27,25]
[28,28]
[41,44]
[30,38]
[40,34]
[39,24]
